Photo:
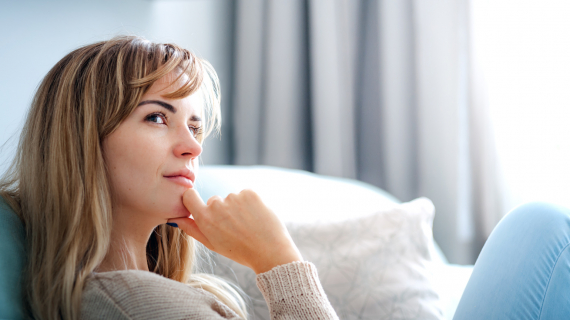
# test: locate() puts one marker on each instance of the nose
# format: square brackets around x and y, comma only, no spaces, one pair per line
[187,146]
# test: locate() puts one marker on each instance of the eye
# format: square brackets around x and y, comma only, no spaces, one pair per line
[158,117]
[196,131]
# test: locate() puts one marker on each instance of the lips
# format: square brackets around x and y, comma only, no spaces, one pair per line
[184,177]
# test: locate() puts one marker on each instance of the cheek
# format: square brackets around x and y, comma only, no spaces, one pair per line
[136,162]
[133,166]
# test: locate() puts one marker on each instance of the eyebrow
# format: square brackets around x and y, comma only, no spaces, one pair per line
[168,107]
[163,104]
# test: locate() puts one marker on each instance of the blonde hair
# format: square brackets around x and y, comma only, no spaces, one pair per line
[58,181]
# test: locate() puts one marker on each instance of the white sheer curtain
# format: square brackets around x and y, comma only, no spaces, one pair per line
[524,49]
[382,91]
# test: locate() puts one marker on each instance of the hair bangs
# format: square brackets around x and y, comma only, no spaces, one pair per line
[164,60]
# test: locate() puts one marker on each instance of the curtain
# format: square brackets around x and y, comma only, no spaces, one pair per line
[382,91]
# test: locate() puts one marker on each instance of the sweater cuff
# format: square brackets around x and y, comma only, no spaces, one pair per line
[294,288]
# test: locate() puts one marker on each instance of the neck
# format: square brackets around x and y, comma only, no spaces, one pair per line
[129,239]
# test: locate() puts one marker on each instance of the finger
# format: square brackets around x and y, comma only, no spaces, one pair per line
[191,228]
[214,198]
[193,202]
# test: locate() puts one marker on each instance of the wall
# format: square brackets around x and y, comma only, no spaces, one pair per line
[35,34]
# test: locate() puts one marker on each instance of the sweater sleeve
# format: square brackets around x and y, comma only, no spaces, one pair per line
[144,295]
[293,291]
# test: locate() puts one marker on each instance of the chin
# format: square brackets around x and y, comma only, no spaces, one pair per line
[179,211]
[171,204]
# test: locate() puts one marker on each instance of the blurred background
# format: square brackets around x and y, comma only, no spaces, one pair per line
[464,102]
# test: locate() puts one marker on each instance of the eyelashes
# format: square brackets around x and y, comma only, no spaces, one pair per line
[197,131]
[161,118]
[156,117]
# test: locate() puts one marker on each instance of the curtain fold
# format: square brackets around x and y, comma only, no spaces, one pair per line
[382,91]
[332,86]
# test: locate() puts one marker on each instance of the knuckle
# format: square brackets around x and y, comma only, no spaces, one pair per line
[216,205]
[231,197]
[249,194]
[214,200]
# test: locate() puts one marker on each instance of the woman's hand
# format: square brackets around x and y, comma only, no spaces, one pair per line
[241,228]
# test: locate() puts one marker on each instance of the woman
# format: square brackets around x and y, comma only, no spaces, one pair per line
[103,180]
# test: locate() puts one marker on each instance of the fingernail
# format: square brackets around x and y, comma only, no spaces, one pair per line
[172,224]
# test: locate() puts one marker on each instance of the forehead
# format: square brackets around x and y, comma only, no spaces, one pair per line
[170,83]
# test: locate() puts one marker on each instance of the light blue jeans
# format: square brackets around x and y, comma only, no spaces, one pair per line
[523,271]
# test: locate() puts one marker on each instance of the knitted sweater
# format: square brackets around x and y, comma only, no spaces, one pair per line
[292,291]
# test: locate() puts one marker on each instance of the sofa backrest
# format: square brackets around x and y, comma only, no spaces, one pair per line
[12,260]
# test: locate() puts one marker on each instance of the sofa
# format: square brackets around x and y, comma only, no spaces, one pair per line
[375,256]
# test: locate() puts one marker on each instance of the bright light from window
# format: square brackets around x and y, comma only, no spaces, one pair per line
[523,48]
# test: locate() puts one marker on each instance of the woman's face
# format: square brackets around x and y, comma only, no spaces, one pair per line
[152,155]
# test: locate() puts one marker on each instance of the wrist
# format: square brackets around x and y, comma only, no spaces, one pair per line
[281,259]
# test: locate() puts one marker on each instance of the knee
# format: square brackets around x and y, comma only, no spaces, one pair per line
[538,214]
[546,207]
[536,222]
[523,267]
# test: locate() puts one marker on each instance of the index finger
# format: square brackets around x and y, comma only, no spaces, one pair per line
[193,202]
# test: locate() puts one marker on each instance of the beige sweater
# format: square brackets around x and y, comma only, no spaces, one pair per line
[292,291]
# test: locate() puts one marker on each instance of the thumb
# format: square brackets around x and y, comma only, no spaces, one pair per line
[189,226]
[193,202]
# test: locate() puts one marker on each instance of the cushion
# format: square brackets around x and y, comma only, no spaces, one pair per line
[295,195]
[372,254]
[12,259]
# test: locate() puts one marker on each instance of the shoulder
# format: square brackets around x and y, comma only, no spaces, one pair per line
[130,281]
[136,294]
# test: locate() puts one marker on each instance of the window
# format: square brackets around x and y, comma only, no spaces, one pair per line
[523,50]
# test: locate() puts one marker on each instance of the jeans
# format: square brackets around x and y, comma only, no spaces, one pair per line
[523,271]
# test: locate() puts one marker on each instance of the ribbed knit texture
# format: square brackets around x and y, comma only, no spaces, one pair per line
[292,291]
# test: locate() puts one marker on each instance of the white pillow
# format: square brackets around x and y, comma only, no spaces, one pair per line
[374,266]
[295,195]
